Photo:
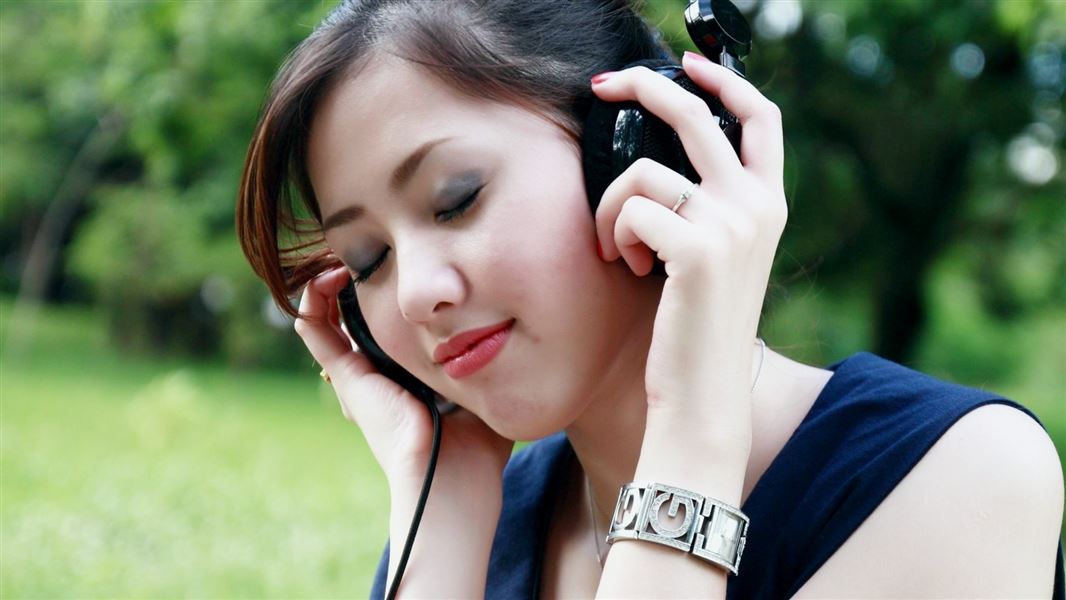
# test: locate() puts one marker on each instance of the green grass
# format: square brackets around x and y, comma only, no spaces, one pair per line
[130,477]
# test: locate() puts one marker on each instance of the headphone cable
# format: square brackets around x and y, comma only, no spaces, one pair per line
[427,398]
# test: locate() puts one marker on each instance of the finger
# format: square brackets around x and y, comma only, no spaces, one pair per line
[705,144]
[645,226]
[338,325]
[646,178]
[762,141]
[324,342]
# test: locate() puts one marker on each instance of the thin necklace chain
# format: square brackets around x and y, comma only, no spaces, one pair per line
[762,358]
[595,529]
[588,486]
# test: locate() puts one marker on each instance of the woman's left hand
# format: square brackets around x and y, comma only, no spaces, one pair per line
[718,247]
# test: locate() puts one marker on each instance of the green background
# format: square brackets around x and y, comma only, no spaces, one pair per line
[162,431]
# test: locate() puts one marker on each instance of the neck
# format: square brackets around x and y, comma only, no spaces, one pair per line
[607,437]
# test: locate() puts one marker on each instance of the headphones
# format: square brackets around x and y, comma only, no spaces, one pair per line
[616,134]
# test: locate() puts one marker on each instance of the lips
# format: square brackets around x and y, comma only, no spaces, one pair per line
[461,342]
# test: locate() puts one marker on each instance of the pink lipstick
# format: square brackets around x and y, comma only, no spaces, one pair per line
[480,347]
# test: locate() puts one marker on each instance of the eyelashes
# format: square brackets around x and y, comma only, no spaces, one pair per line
[361,276]
[463,206]
[443,217]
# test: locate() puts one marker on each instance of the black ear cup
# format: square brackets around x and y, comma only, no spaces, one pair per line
[618,133]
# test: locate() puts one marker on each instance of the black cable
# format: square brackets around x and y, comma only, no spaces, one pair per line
[426,482]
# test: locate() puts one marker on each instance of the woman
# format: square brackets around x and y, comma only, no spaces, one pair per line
[435,148]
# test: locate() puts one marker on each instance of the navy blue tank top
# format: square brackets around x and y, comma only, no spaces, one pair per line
[869,426]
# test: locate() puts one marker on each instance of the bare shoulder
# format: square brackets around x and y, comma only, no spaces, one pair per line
[978,517]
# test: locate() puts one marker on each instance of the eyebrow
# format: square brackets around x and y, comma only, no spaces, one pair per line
[403,174]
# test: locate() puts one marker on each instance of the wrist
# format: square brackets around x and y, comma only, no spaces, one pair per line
[721,437]
[453,516]
[713,467]
[475,471]
[721,482]
[458,523]
[460,494]
[706,527]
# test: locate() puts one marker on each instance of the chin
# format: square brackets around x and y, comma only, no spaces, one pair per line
[522,421]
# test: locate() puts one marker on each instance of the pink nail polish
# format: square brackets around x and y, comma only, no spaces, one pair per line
[600,78]
[696,57]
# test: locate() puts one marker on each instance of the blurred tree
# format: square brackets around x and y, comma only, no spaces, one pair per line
[914,128]
[900,117]
[125,129]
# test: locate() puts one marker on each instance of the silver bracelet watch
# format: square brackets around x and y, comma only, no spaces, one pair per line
[710,529]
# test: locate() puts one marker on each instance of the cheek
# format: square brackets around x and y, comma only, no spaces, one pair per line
[545,266]
[379,311]
[565,240]
[540,249]
[548,232]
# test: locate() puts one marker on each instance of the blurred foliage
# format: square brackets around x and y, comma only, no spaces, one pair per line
[132,476]
[154,240]
[924,152]
[917,132]
[923,138]
[169,478]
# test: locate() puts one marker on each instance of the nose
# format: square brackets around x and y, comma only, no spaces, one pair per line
[427,282]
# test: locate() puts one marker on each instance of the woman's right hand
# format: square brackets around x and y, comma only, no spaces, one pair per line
[397,426]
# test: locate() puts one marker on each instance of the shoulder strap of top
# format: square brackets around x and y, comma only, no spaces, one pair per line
[870,425]
[529,487]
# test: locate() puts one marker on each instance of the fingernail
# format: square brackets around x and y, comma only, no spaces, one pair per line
[696,57]
[600,78]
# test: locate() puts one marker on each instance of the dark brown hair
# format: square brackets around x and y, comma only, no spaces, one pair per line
[538,54]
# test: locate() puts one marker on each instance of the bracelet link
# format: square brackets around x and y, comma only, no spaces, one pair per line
[725,537]
[709,529]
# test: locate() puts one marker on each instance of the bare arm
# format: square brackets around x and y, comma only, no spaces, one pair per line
[638,569]
[978,517]
[450,556]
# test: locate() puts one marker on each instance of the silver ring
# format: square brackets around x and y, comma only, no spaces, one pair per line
[685,195]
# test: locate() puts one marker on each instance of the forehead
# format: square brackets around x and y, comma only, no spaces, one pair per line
[368,123]
[370,117]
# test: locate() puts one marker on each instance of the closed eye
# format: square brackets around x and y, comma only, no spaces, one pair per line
[361,276]
[442,217]
[458,211]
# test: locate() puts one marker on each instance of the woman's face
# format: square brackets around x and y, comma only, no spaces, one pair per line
[524,250]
